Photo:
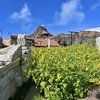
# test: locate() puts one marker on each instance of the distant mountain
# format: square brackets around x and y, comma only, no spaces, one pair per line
[41,32]
[62,39]
[65,39]
[76,37]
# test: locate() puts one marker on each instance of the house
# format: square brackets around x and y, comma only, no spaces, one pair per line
[6,42]
[35,42]
[44,43]
[14,40]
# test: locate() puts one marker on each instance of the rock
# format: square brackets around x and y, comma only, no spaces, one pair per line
[21,39]
[13,53]
[91,98]
[25,47]
[41,32]
[77,37]
[2,63]
[98,43]
[26,51]
[98,95]
[65,39]
[5,50]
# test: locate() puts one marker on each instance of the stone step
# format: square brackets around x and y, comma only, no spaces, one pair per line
[32,92]
[91,98]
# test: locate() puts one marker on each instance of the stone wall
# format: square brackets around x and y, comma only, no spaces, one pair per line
[11,71]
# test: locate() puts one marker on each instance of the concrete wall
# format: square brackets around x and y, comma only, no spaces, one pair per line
[8,74]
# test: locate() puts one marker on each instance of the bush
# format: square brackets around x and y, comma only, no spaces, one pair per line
[66,72]
[91,42]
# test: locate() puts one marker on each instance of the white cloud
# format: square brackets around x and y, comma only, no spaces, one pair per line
[22,17]
[94,29]
[70,11]
[95,6]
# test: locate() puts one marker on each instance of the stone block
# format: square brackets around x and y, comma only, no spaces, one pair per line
[12,70]
[24,70]
[17,71]
[10,74]
[7,91]
[5,50]
[98,43]
[21,39]
[13,53]
[3,82]
[9,66]
[2,63]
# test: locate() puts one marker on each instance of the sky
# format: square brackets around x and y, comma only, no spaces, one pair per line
[58,16]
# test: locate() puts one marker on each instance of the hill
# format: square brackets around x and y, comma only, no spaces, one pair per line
[41,32]
[65,39]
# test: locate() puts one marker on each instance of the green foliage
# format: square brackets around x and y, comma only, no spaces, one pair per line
[37,97]
[91,42]
[66,72]
[69,36]
[51,97]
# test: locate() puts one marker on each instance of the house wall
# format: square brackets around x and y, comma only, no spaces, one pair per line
[11,71]
[13,41]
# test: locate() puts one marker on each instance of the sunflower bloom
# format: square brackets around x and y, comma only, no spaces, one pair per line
[51,57]
[58,76]
[91,80]
[64,59]
[98,82]
[86,68]
[98,65]
[52,76]
[63,67]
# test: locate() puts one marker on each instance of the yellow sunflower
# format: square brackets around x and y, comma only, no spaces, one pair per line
[91,80]
[58,76]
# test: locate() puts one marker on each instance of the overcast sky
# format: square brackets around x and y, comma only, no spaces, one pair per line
[58,16]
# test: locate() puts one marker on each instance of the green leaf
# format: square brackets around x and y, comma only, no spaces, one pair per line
[81,94]
[64,85]
[42,84]
[50,81]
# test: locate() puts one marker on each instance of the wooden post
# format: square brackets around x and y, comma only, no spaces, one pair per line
[48,42]
[71,38]
[72,41]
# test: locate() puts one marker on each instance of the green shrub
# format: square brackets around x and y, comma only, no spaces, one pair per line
[91,42]
[37,97]
[66,72]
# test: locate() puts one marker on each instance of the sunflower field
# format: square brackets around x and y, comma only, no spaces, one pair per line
[65,72]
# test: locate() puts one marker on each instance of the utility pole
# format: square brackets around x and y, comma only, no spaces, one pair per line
[1,35]
[1,31]
[9,33]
